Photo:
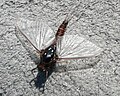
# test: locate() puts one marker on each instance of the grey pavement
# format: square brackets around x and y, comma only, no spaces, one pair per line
[97,20]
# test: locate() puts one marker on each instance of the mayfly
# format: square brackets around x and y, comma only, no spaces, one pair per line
[53,47]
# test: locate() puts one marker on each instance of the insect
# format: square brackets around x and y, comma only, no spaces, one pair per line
[54,47]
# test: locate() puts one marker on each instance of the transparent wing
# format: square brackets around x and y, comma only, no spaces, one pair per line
[36,31]
[75,47]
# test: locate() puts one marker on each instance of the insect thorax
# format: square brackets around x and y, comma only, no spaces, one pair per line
[48,58]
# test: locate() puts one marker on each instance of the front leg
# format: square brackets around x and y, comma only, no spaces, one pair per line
[32,71]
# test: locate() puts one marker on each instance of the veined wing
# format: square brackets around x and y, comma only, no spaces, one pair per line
[75,47]
[37,32]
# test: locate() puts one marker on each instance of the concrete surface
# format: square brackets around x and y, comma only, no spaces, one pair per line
[97,20]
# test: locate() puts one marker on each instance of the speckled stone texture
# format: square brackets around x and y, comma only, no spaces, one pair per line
[97,20]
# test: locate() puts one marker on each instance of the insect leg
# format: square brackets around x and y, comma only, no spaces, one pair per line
[62,62]
[46,75]
[32,71]
[32,81]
